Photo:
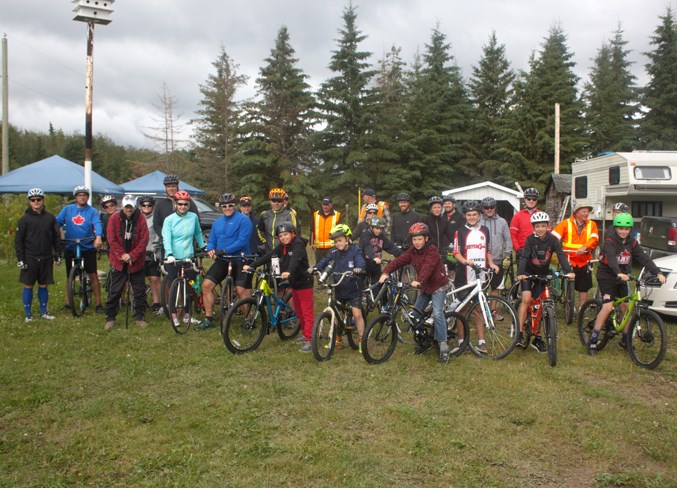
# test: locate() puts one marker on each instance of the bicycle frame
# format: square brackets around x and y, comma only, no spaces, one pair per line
[266,294]
[537,305]
[477,290]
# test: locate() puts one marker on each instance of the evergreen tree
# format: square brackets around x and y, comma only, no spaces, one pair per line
[659,124]
[217,126]
[277,151]
[611,99]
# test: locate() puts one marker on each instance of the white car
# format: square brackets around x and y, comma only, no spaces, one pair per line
[663,298]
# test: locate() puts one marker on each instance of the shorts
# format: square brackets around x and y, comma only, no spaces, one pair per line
[40,270]
[151,268]
[536,287]
[610,289]
[219,270]
[583,281]
[89,258]
[353,302]
[497,279]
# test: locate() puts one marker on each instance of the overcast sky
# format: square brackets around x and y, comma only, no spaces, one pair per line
[151,42]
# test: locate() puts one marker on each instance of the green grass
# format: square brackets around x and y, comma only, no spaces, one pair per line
[84,407]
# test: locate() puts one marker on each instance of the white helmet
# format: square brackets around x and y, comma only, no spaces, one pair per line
[36,192]
[538,217]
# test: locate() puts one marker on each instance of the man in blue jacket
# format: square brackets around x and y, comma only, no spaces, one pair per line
[229,235]
[82,222]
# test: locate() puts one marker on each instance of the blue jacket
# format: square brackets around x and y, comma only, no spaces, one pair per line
[81,223]
[178,232]
[351,258]
[231,234]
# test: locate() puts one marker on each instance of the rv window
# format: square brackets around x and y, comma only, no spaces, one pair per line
[652,173]
[614,175]
[647,209]
[581,188]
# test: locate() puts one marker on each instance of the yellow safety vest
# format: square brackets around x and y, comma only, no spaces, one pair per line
[321,230]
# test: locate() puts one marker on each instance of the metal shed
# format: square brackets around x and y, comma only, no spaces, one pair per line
[508,200]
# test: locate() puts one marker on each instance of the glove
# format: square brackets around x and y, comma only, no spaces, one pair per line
[171,259]
[21,265]
[57,261]
[311,270]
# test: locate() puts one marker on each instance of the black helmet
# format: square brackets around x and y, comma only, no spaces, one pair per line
[470,205]
[532,193]
[227,198]
[146,199]
[403,197]
[488,202]
[284,227]
[448,198]
[171,180]
[433,200]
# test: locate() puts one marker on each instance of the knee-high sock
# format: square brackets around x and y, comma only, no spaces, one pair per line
[27,296]
[43,298]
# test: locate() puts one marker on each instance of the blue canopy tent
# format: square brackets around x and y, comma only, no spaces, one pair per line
[55,175]
[152,184]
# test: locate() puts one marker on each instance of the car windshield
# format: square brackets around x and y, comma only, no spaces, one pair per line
[203,206]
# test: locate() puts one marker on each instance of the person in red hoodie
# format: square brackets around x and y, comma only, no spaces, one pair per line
[520,225]
[127,236]
[431,280]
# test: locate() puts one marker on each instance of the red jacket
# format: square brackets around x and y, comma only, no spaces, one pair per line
[521,228]
[136,225]
[430,271]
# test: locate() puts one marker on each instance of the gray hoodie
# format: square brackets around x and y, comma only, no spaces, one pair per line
[499,231]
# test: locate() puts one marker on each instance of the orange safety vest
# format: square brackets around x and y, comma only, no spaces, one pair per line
[322,229]
[575,241]
[381,208]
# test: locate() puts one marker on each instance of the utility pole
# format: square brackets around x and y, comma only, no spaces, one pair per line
[557,138]
[5,108]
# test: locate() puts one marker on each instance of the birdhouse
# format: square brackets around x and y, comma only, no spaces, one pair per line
[96,11]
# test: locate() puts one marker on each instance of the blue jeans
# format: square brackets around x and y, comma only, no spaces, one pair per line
[439,322]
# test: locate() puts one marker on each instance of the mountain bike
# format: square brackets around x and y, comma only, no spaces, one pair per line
[647,339]
[381,333]
[509,267]
[228,296]
[248,320]
[79,282]
[541,316]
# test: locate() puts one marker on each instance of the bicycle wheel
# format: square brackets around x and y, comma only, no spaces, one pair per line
[226,298]
[550,330]
[380,339]
[165,287]
[323,340]
[456,321]
[586,322]
[499,328]
[647,339]
[244,326]
[515,295]
[180,305]
[569,302]
[288,325]
[77,291]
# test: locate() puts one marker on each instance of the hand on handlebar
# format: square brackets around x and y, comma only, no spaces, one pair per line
[211,253]
[357,271]
[623,277]
[571,276]
[521,277]
[170,259]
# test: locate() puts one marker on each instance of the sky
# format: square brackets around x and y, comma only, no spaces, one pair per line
[174,42]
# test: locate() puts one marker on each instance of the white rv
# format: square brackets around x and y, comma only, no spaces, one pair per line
[644,180]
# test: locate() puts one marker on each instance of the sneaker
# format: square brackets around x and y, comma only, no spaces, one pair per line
[207,323]
[176,321]
[142,323]
[444,353]
[521,340]
[28,319]
[99,309]
[66,308]
[338,344]
[497,316]
[481,348]
[423,348]
[539,345]
[592,348]
[109,325]
[155,307]
[359,346]
[306,347]
[160,311]
[193,320]
[47,316]
[301,338]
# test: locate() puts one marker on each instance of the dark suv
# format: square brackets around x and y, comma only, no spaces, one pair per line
[208,215]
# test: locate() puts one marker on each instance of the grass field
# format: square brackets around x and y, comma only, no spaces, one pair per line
[84,407]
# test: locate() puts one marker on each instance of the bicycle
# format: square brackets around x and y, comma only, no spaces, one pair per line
[509,279]
[228,296]
[497,313]
[647,339]
[79,282]
[381,333]
[249,319]
[541,316]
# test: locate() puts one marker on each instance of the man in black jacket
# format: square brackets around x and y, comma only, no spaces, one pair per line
[37,240]
[403,220]
[164,207]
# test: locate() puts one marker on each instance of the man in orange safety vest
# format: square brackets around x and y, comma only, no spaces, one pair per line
[323,221]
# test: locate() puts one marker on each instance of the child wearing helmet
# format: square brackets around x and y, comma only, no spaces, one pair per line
[372,244]
[613,273]
[535,259]
[431,280]
[371,211]
[291,252]
[346,256]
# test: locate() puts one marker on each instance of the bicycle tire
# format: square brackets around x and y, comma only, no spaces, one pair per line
[288,324]
[226,297]
[380,339]
[646,330]
[500,335]
[323,340]
[244,326]
[180,305]
[569,302]
[165,287]
[453,319]
[550,330]
[77,291]
[515,295]
[586,322]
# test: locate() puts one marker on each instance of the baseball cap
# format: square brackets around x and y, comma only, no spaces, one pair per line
[129,200]
[369,191]
[326,200]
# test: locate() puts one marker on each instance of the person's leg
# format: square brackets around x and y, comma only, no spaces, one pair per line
[138,283]
[27,298]
[43,298]
[208,296]
[438,299]
[118,280]
[304,308]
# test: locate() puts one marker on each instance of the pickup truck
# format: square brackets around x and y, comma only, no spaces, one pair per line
[659,233]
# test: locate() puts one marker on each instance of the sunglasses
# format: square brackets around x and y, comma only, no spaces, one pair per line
[109,205]
[371,212]
[227,205]
[276,200]
[147,205]
[531,199]
[179,204]
[82,195]
[35,199]
[489,208]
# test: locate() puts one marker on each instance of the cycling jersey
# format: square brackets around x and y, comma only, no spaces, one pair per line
[347,260]
[230,234]
[617,256]
[269,220]
[471,243]
[81,223]
[537,254]
[178,233]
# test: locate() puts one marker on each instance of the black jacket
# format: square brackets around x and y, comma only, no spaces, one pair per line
[617,256]
[294,259]
[37,236]
[537,254]
[441,232]
[401,224]
[373,247]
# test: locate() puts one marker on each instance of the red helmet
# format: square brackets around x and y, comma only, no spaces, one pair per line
[419,229]
[181,195]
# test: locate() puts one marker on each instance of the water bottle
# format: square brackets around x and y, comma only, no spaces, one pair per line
[275,265]
[198,284]
[193,284]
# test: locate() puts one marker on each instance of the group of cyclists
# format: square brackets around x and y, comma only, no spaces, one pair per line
[444,246]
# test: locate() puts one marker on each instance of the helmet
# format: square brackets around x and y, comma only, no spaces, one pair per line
[36,192]
[107,199]
[171,180]
[284,227]
[470,205]
[621,207]
[488,202]
[623,220]
[538,217]
[371,207]
[340,230]
[146,199]
[377,222]
[532,193]
[403,197]
[227,198]
[129,200]
[181,195]
[277,193]
[418,229]
[448,198]
[81,189]
[246,201]
[433,200]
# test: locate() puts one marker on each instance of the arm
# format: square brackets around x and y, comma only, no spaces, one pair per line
[593,240]
[114,239]
[524,258]
[398,262]
[198,233]
[211,242]
[563,261]
[244,233]
[391,248]
[507,239]
[20,241]
[167,237]
[57,243]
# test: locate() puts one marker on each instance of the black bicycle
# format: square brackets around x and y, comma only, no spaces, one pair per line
[79,283]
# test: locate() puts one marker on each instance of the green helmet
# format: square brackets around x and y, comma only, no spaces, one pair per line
[377,222]
[623,220]
[340,230]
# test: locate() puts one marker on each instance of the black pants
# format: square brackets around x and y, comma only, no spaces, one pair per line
[138,283]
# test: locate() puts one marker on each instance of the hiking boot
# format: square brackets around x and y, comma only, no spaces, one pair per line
[142,323]
[423,348]
[99,309]
[47,316]
[109,325]
[539,345]
[306,347]
[481,348]
[444,353]
[497,316]
[521,340]
[207,323]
